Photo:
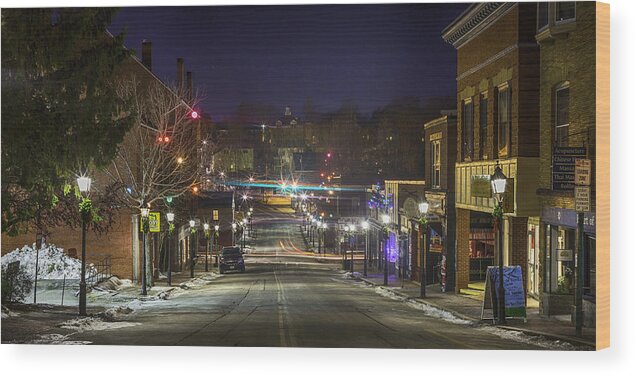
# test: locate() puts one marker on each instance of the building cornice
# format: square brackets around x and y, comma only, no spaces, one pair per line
[473,21]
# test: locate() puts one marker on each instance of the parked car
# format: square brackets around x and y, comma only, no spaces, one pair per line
[231,258]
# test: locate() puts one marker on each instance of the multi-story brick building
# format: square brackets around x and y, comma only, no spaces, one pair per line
[566,33]
[497,103]
[440,138]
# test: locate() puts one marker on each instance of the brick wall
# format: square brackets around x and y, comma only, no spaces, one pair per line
[462,249]
[117,243]
[569,58]
[517,244]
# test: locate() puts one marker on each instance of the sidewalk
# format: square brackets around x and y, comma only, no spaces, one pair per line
[469,308]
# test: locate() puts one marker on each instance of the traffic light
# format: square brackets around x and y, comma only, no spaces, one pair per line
[194,114]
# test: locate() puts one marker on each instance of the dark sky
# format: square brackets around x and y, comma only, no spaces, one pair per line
[286,55]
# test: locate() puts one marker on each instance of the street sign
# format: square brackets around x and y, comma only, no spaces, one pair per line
[563,167]
[154,220]
[481,186]
[564,255]
[582,199]
[582,171]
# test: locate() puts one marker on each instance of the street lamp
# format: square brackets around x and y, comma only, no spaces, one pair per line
[192,246]
[499,184]
[324,227]
[423,222]
[385,218]
[206,229]
[244,230]
[145,213]
[170,216]
[216,236]
[234,225]
[83,183]
[366,226]
[352,236]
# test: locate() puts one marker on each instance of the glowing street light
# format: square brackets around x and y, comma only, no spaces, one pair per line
[83,183]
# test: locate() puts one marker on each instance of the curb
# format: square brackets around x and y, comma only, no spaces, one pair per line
[573,341]
[419,300]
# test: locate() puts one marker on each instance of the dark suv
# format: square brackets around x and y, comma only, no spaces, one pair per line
[231,258]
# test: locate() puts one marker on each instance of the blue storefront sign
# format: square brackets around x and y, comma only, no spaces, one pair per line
[568,218]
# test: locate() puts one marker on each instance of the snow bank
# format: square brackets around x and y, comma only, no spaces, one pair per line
[6,313]
[539,341]
[52,262]
[58,339]
[93,323]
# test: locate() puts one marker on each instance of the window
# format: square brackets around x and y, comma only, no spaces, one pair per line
[467,129]
[215,215]
[565,11]
[543,15]
[482,122]
[436,164]
[561,134]
[504,120]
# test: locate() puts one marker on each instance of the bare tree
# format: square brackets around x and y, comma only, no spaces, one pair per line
[158,158]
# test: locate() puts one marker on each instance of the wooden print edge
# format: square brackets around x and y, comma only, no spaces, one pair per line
[603,175]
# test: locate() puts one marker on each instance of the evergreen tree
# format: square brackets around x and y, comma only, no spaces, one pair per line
[60,114]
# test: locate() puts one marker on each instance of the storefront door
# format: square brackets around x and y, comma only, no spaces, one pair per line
[533,261]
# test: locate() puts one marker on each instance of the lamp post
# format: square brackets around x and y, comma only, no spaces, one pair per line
[192,246]
[216,235]
[145,212]
[170,216]
[85,208]
[423,221]
[206,229]
[324,227]
[319,235]
[344,252]
[244,231]
[385,218]
[499,183]
[365,226]
[354,243]
[234,233]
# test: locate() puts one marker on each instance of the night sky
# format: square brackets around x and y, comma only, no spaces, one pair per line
[286,55]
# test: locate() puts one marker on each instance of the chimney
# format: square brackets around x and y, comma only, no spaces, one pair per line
[179,75]
[146,54]
[190,92]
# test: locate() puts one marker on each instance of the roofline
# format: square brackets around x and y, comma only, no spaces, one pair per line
[476,18]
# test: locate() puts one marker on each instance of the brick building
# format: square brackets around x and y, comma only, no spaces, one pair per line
[566,33]
[497,112]
[440,138]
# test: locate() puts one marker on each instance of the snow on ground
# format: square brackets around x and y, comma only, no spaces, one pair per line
[52,262]
[57,339]
[519,336]
[6,313]
[94,323]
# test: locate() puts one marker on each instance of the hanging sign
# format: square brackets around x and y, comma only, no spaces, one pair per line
[582,172]
[154,222]
[582,199]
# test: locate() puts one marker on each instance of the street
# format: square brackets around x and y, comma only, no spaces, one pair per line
[287,298]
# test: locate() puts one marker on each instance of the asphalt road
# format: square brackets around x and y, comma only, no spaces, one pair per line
[285,298]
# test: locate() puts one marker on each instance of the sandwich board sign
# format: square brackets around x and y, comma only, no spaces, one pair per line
[514,293]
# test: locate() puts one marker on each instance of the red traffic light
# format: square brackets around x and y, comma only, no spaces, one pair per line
[194,114]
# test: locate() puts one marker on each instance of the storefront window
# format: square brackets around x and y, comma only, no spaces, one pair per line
[481,252]
[560,261]
[589,268]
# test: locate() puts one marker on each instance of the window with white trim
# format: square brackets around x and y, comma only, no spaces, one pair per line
[503,117]
[565,11]
[436,163]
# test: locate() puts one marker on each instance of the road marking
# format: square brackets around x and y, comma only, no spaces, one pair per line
[283,317]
